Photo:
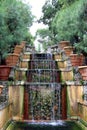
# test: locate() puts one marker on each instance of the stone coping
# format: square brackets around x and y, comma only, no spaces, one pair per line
[67,83]
[76,83]
[66,69]
[76,54]
[64,42]
[12,54]
[68,47]
[21,69]
[80,67]
[27,53]
[62,59]
[15,83]
[84,103]
[25,60]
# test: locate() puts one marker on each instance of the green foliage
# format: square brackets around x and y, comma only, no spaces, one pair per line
[15,21]
[29,38]
[43,33]
[49,10]
[51,7]
[50,18]
[70,23]
[67,20]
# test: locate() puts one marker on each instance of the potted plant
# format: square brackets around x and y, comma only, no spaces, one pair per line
[83,72]
[12,59]
[77,59]
[68,50]
[4,69]
[63,44]
[81,47]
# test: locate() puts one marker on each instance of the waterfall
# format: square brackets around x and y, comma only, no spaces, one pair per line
[44,89]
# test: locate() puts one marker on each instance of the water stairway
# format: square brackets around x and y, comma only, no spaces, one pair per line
[44,96]
[39,90]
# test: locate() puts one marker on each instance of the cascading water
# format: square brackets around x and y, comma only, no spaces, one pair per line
[44,101]
[44,98]
[42,89]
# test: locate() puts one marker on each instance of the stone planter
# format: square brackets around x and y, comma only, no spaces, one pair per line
[18,49]
[66,75]
[57,56]
[68,50]
[26,55]
[83,72]
[12,59]
[24,63]
[20,74]
[77,60]
[61,63]
[4,72]
[74,95]
[63,44]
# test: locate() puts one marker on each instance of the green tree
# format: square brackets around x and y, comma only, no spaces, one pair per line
[15,21]
[29,38]
[50,8]
[71,24]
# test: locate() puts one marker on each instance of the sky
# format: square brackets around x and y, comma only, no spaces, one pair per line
[36,8]
[37,11]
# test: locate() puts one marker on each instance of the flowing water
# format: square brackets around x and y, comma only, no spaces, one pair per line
[43,88]
[57,125]
[44,98]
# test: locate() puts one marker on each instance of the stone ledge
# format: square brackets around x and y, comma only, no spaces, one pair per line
[83,103]
[3,106]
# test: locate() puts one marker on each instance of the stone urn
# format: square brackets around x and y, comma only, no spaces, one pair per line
[18,49]
[26,55]
[68,50]
[4,72]
[83,72]
[12,59]
[77,59]
[63,44]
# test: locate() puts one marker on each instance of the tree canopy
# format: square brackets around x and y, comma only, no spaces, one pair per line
[15,21]
[68,21]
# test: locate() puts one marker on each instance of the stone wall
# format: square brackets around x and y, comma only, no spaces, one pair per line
[74,95]
[5,115]
[15,107]
[16,96]
[82,110]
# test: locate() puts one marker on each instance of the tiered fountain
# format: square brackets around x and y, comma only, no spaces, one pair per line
[43,96]
[40,101]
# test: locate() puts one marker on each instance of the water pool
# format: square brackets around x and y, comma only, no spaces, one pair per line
[59,125]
